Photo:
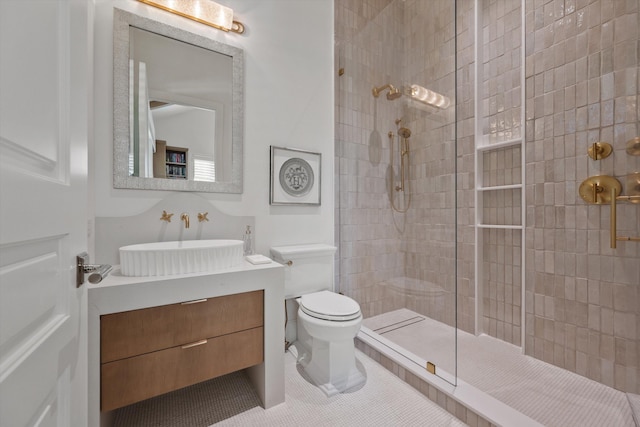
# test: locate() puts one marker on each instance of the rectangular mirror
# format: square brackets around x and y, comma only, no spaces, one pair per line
[178,109]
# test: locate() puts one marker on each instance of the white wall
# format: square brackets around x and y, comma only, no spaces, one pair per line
[194,128]
[288,46]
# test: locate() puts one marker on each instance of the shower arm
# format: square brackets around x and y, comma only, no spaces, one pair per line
[393,91]
[376,90]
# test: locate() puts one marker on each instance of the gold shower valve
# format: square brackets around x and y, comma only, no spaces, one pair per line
[597,189]
[600,150]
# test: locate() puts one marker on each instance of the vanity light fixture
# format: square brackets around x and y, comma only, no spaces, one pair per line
[428,97]
[204,11]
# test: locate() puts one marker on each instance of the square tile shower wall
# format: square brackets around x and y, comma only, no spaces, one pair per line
[582,301]
[501,101]
[502,294]
[369,51]
[465,128]
[499,160]
[582,297]
[430,237]
[380,42]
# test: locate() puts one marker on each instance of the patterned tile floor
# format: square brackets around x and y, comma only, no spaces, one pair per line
[384,400]
[548,394]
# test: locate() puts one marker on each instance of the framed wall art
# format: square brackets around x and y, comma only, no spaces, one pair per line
[295,177]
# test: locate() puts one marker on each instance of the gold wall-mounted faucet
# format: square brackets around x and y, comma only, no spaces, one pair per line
[185,217]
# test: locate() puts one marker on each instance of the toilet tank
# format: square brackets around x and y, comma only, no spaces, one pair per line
[308,268]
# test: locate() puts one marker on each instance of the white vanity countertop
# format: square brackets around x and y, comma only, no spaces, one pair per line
[115,278]
[122,293]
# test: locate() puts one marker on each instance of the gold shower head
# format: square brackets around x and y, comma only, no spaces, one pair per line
[394,93]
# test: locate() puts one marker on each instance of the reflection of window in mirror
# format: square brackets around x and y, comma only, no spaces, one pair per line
[204,168]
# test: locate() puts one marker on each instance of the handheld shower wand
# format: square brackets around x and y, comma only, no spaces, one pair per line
[403,146]
[404,154]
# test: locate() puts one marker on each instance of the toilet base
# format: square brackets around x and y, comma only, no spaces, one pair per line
[354,380]
[330,365]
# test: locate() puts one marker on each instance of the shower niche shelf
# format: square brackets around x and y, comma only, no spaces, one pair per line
[500,204]
[499,226]
[500,187]
[485,145]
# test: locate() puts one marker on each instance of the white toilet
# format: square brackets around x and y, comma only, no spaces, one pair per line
[327,322]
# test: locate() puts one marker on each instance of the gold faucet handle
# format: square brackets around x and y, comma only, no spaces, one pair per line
[166,216]
[202,216]
[600,150]
[597,188]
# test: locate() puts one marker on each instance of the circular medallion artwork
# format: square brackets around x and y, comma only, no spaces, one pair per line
[296,177]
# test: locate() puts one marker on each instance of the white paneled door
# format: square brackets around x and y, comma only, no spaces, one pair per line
[45,90]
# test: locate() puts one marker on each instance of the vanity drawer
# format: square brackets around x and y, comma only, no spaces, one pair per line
[137,378]
[137,332]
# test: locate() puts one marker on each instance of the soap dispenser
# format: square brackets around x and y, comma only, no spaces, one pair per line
[248,241]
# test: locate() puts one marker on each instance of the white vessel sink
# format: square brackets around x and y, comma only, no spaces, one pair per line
[190,256]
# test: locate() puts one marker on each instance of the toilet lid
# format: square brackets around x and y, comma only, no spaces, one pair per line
[329,306]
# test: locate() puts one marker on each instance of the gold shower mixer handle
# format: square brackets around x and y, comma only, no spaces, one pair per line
[600,150]
[597,189]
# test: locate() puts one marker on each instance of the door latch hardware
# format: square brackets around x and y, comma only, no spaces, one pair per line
[98,271]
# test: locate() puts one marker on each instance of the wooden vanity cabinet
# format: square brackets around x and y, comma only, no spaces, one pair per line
[152,351]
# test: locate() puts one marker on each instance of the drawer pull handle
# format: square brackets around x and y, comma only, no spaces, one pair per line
[194,301]
[194,344]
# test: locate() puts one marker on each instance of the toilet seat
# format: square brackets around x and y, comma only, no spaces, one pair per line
[330,306]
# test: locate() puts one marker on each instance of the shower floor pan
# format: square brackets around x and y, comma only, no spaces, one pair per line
[542,393]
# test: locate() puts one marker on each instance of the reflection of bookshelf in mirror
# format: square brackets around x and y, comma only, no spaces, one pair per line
[170,162]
